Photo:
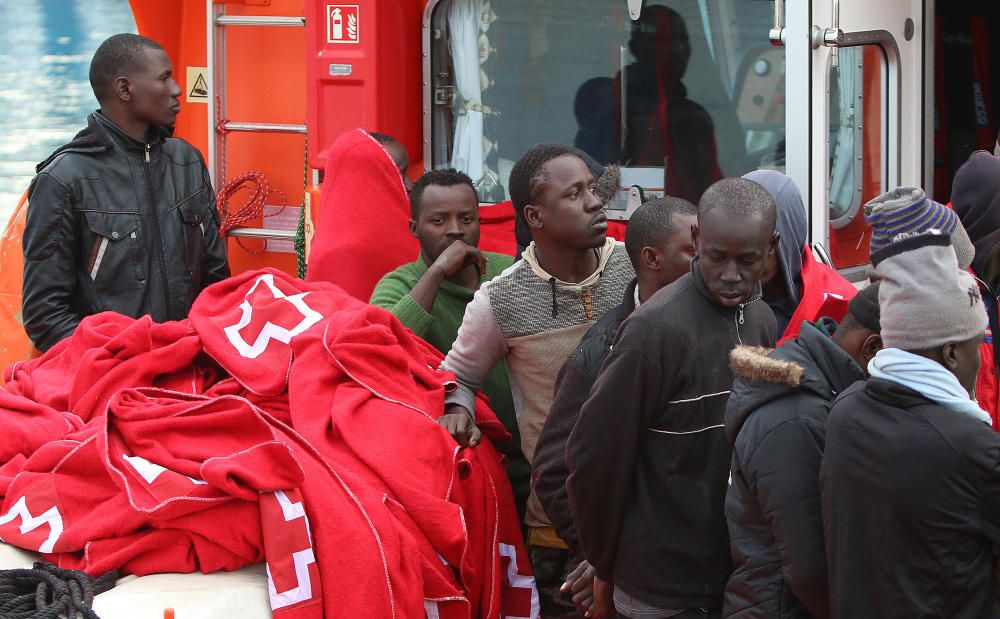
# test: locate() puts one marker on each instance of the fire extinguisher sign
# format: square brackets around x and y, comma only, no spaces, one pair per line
[342,23]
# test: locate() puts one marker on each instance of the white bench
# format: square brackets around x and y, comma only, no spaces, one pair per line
[223,595]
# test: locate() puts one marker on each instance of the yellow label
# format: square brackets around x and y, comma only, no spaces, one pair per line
[196,85]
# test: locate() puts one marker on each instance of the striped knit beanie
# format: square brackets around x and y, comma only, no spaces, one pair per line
[906,212]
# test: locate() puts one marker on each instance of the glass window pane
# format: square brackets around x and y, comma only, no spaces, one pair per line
[689,93]
[857,93]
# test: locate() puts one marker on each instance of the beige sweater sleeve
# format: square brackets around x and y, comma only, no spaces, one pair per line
[480,345]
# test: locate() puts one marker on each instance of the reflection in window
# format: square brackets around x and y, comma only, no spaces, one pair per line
[857,94]
[687,93]
[845,133]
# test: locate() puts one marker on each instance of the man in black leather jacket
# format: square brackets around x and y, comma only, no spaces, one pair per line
[123,217]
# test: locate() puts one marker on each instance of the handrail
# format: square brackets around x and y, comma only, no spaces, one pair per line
[261,127]
[259,20]
[263,233]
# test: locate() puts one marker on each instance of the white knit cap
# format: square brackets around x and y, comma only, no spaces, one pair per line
[925,300]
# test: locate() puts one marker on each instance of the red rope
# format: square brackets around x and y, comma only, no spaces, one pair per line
[254,207]
[259,187]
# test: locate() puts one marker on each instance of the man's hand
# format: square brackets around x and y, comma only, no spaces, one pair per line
[458,422]
[457,256]
[580,582]
[452,260]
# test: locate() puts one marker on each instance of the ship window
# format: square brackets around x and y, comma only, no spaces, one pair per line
[687,94]
[858,95]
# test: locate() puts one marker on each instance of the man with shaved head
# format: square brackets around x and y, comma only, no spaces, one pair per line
[651,518]
[123,217]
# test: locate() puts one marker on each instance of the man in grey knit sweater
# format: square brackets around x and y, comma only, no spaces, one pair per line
[534,315]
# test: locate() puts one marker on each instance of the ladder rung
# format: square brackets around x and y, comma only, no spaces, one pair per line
[258,20]
[262,127]
[263,233]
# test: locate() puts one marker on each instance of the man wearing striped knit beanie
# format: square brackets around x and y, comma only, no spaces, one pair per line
[906,212]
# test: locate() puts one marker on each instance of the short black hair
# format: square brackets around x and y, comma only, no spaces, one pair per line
[740,197]
[529,171]
[652,223]
[448,177]
[115,57]
[383,138]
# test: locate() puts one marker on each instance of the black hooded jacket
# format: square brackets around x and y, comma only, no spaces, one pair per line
[776,419]
[115,224]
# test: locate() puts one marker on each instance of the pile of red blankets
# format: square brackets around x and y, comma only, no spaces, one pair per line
[283,422]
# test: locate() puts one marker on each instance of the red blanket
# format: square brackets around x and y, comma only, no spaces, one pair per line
[321,455]
[363,221]
[366,393]
[824,293]
[73,382]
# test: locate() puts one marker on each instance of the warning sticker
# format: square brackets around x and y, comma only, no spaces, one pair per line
[342,23]
[196,86]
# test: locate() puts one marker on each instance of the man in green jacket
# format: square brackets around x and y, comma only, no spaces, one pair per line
[429,295]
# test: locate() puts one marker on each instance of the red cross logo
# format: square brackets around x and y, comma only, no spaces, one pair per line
[293,578]
[33,520]
[268,314]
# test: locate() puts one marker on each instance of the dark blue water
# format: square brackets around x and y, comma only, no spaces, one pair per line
[45,96]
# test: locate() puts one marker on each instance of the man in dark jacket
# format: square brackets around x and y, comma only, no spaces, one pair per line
[658,241]
[776,419]
[975,195]
[123,217]
[650,517]
[910,480]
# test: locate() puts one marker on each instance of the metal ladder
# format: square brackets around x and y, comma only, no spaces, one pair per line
[218,21]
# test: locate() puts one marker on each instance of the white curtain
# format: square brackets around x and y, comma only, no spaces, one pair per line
[842,181]
[464,24]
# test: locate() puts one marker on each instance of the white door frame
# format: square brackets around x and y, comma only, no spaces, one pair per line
[909,102]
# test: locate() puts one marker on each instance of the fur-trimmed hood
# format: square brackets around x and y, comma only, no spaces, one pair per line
[812,362]
[754,363]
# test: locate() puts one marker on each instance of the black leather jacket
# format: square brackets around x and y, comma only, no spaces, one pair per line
[121,225]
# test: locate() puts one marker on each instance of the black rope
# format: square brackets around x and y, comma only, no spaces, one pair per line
[46,592]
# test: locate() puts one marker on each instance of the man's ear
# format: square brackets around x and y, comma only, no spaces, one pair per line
[949,355]
[122,88]
[533,216]
[773,245]
[413,229]
[871,346]
[649,257]
[695,239]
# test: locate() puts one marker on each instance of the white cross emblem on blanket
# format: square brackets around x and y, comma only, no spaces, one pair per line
[257,308]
